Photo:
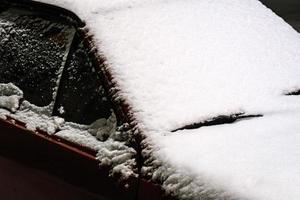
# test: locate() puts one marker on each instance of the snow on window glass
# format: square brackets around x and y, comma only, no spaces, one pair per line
[32,51]
[81,97]
[43,67]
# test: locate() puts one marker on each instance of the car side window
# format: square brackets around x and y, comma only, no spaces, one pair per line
[48,61]
[81,97]
[33,51]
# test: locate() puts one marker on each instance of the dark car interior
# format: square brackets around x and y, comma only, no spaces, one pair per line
[289,10]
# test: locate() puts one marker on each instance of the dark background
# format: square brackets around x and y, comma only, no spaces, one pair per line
[289,10]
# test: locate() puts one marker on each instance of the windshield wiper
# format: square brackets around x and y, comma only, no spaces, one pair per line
[296,92]
[222,119]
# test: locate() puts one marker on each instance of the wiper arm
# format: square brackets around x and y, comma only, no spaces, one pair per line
[222,119]
[296,92]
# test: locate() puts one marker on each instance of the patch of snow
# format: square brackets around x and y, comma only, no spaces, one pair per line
[45,110]
[36,117]
[102,136]
[79,135]
[112,152]
[8,89]
[10,102]
[103,128]
[36,121]
[61,110]
[3,113]
[10,96]
[119,157]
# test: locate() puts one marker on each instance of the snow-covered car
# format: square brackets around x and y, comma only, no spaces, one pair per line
[149,99]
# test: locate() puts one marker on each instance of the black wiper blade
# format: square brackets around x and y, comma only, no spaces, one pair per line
[296,92]
[219,120]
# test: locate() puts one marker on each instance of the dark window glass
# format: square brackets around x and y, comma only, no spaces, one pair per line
[81,98]
[32,53]
[47,60]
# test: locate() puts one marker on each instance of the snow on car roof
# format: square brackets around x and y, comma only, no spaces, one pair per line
[182,62]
